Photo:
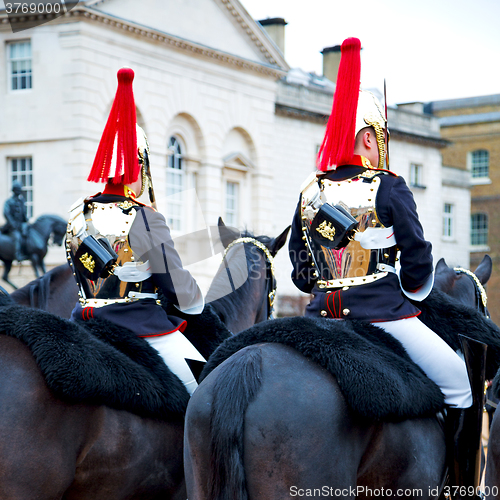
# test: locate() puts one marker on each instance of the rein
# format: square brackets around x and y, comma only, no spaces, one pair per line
[271,279]
[481,298]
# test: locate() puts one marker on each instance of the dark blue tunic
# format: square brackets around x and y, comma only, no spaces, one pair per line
[381,300]
[150,239]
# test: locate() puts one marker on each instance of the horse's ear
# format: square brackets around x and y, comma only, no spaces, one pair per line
[444,277]
[483,271]
[279,242]
[441,264]
[227,234]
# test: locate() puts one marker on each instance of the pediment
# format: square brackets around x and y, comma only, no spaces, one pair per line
[237,161]
[223,25]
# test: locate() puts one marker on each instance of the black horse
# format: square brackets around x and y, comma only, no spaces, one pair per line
[52,448]
[35,248]
[269,423]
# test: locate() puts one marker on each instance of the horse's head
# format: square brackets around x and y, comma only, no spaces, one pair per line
[59,226]
[228,235]
[246,280]
[461,284]
[50,227]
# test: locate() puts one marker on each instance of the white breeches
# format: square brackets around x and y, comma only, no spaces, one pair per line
[436,358]
[173,348]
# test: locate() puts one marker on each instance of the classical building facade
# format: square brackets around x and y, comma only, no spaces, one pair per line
[472,125]
[233,130]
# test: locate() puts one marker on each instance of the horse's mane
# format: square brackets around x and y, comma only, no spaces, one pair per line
[228,305]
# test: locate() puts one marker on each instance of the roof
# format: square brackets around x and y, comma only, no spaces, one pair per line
[466,102]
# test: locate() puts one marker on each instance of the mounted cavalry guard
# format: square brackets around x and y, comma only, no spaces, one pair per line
[121,249]
[15,213]
[355,219]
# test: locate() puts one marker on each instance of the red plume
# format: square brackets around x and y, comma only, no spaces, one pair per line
[121,126]
[338,144]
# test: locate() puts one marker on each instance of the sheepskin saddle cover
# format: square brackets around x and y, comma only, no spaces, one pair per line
[96,362]
[374,372]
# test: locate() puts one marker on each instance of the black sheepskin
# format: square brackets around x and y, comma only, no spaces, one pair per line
[96,362]
[114,367]
[447,318]
[376,376]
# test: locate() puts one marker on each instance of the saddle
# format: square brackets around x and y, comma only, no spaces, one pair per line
[377,378]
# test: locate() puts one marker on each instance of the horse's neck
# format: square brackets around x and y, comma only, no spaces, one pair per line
[43,227]
[241,308]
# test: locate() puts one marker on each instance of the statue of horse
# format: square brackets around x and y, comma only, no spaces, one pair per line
[269,423]
[52,449]
[35,246]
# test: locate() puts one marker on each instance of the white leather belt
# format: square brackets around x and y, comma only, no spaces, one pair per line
[386,268]
[107,302]
[141,295]
[356,281]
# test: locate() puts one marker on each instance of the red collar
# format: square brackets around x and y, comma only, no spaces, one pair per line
[119,190]
[358,161]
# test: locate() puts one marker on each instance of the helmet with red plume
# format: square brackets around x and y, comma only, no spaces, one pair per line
[119,139]
[353,109]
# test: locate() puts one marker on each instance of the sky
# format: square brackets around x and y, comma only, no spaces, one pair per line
[425,49]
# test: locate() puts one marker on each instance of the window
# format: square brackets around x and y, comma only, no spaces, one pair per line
[19,65]
[416,175]
[21,170]
[175,185]
[232,202]
[479,229]
[448,220]
[480,164]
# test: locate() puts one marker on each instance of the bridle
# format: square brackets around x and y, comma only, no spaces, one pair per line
[271,284]
[481,298]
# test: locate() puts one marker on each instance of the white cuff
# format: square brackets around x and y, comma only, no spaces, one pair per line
[422,292]
[197,308]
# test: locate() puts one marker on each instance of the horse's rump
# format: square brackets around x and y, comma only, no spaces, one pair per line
[268,422]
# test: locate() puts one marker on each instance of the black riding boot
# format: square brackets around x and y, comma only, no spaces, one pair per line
[17,248]
[463,429]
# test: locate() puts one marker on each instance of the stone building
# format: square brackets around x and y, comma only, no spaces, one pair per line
[233,130]
[472,125]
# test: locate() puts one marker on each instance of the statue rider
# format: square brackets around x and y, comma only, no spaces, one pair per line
[15,214]
[354,221]
[121,249]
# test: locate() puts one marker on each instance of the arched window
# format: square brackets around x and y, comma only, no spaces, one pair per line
[479,229]
[175,184]
[480,164]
